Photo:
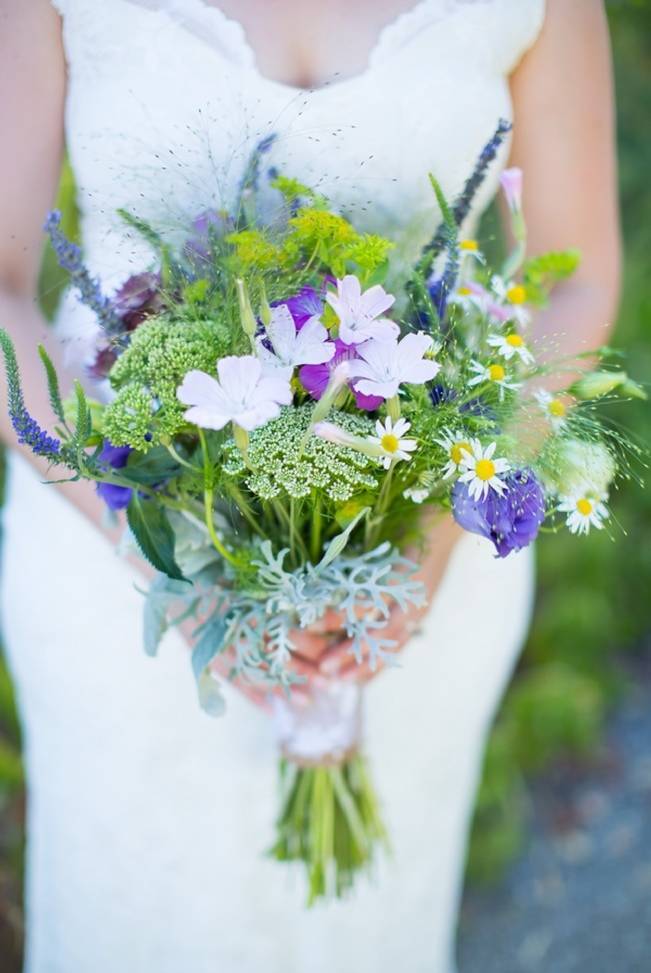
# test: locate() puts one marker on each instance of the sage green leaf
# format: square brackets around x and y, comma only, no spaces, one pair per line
[154,535]
[210,644]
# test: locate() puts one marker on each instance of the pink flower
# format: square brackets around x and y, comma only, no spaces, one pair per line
[241,394]
[359,313]
[511,183]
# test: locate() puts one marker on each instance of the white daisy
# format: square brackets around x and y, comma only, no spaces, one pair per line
[492,372]
[470,248]
[389,437]
[455,445]
[512,298]
[480,470]
[553,407]
[511,345]
[470,296]
[583,512]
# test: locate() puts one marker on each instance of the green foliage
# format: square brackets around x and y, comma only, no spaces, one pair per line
[541,274]
[153,533]
[52,384]
[148,373]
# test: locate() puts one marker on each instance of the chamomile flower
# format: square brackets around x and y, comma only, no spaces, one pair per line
[470,296]
[583,512]
[470,248]
[455,446]
[481,469]
[390,438]
[492,372]
[511,346]
[512,298]
[553,407]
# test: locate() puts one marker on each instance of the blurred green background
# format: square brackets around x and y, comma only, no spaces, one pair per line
[594,604]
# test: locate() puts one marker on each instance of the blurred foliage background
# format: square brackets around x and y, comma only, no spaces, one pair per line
[594,603]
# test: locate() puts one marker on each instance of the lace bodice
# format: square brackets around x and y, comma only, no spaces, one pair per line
[165,102]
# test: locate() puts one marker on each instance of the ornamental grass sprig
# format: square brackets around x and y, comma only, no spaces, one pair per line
[69,258]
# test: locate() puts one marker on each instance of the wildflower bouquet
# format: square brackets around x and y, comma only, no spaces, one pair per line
[278,420]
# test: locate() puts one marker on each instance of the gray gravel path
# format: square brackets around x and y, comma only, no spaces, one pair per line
[579,900]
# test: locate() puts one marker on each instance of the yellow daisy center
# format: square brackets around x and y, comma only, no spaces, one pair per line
[557,408]
[496,373]
[485,469]
[515,340]
[390,443]
[456,451]
[516,294]
[470,245]
[584,506]
[464,291]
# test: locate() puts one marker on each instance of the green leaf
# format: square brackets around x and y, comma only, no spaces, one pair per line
[338,543]
[154,535]
[83,425]
[207,647]
[52,384]
[152,467]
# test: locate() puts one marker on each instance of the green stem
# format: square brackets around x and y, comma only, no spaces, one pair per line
[179,459]
[208,494]
[315,538]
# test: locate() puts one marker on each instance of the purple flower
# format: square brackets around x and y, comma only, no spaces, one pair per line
[69,258]
[510,521]
[138,299]
[315,378]
[306,304]
[114,457]
[198,247]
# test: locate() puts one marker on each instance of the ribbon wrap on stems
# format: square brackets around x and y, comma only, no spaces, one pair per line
[329,818]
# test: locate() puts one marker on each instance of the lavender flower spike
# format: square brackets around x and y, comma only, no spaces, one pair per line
[27,429]
[69,258]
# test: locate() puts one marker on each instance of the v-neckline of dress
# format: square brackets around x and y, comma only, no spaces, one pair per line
[182,12]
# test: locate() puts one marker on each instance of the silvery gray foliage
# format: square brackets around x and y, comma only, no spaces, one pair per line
[256,624]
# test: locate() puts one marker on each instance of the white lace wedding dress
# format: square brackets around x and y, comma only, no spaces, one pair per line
[147,820]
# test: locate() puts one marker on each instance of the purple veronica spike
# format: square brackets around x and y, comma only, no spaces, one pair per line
[30,434]
[69,257]
[198,248]
[510,521]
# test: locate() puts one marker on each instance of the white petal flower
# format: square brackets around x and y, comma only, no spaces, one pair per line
[292,347]
[492,372]
[359,313]
[456,446]
[510,346]
[389,437]
[510,303]
[583,512]
[242,394]
[553,407]
[384,365]
[417,494]
[481,469]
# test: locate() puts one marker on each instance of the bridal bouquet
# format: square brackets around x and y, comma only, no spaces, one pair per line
[277,422]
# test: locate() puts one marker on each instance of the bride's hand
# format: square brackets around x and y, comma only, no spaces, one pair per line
[324,651]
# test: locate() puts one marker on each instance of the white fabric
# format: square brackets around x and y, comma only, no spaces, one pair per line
[146,819]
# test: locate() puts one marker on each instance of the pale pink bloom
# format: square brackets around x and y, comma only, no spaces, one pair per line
[308,346]
[359,313]
[242,394]
[511,183]
[385,365]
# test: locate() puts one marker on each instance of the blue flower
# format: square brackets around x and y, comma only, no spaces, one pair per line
[510,521]
[114,457]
